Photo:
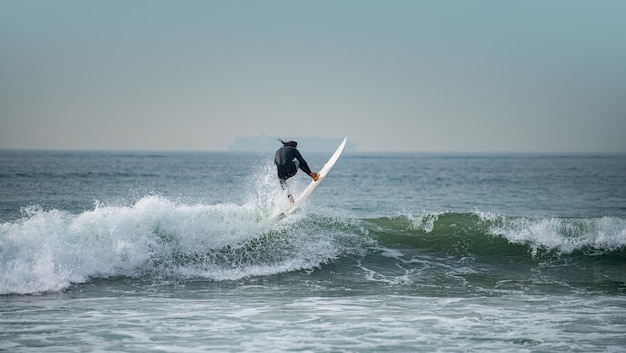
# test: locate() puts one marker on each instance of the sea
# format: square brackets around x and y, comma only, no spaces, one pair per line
[395,252]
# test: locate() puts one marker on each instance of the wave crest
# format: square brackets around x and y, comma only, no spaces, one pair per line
[51,250]
[486,232]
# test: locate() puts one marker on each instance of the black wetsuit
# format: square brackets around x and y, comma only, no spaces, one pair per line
[284,161]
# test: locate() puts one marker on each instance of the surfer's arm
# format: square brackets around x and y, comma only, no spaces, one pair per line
[302,165]
[305,167]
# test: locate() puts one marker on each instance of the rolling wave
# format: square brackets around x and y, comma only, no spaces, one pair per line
[489,233]
[51,250]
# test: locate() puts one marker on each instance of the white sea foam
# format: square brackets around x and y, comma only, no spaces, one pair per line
[425,221]
[562,234]
[50,250]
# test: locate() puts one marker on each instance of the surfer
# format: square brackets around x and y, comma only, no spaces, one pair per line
[288,159]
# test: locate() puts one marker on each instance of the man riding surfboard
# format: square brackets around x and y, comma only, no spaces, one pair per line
[288,159]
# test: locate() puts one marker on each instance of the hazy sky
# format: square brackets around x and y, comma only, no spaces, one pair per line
[467,76]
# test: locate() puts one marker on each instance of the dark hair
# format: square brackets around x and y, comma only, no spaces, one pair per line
[288,143]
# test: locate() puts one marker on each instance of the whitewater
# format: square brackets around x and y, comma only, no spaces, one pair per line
[136,251]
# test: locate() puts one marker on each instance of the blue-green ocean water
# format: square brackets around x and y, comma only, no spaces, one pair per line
[177,252]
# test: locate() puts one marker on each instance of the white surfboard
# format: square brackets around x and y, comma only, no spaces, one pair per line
[322,175]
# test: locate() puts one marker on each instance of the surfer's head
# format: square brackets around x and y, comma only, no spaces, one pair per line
[288,143]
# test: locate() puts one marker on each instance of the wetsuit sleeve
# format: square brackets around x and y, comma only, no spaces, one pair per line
[303,165]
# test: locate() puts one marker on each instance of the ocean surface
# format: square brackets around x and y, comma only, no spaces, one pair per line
[178,252]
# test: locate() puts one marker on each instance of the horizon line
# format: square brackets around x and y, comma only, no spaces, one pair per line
[354,151]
